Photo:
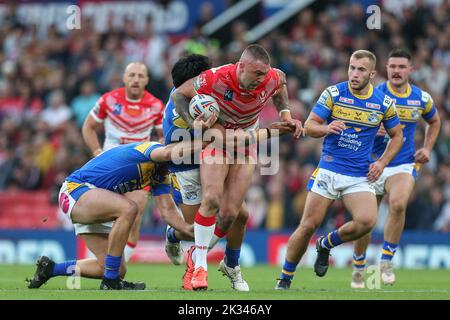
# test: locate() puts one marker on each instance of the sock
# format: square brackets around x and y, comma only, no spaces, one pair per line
[288,270]
[112,265]
[129,250]
[218,234]
[331,240]
[64,268]
[171,235]
[388,250]
[232,257]
[203,230]
[359,262]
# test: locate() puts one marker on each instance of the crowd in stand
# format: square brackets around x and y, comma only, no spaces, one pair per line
[48,84]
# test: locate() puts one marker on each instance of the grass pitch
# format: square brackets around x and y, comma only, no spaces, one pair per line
[164,283]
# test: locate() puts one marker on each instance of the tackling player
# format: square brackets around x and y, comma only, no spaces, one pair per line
[399,176]
[94,199]
[128,115]
[348,115]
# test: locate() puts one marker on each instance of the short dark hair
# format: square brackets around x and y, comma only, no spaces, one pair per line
[400,53]
[188,67]
[258,52]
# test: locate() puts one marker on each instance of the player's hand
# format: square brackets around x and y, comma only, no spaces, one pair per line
[375,170]
[422,156]
[283,127]
[201,124]
[381,131]
[336,127]
[297,127]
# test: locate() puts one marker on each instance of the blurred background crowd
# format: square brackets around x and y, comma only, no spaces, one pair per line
[49,81]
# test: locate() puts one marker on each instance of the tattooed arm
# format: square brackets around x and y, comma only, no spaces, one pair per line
[281,101]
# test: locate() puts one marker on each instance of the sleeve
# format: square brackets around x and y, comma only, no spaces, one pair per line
[324,105]
[204,81]
[146,148]
[159,120]
[429,109]
[390,119]
[98,112]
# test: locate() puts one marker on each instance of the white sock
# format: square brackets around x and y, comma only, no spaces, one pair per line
[203,235]
[128,252]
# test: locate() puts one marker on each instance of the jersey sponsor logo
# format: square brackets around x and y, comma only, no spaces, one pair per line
[334,91]
[373,105]
[413,102]
[346,100]
[408,114]
[370,118]
[228,95]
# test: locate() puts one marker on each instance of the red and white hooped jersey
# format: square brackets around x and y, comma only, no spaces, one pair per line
[126,120]
[238,108]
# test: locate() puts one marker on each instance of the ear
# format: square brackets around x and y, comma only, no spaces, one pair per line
[372,74]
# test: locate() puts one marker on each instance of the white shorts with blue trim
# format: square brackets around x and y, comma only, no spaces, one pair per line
[69,194]
[333,185]
[190,186]
[379,185]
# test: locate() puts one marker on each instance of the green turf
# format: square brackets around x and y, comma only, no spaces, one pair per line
[164,281]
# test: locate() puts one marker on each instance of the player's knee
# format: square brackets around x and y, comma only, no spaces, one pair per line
[366,224]
[308,227]
[397,206]
[129,210]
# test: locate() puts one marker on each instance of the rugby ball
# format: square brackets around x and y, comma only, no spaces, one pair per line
[202,103]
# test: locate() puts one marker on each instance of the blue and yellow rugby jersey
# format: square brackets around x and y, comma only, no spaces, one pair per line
[411,105]
[350,152]
[173,126]
[123,169]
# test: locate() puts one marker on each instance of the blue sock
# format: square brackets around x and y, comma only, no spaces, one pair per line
[64,268]
[288,270]
[171,235]
[388,250]
[232,257]
[331,240]
[359,262]
[112,266]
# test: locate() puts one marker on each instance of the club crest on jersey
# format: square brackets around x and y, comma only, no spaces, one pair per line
[228,95]
[346,100]
[373,117]
[372,105]
[117,108]
[415,114]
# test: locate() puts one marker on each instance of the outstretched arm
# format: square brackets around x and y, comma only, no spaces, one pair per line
[181,98]
[316,127]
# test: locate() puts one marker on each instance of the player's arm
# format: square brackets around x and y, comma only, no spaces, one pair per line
[181,98]
[395,143]
[431,134]
[281,101]
[316,127]
[90,137]
[171,215]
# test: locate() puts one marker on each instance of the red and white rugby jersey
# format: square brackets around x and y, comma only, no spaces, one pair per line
[238,108]
[126,120]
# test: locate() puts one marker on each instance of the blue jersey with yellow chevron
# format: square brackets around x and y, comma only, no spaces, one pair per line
[175,129]
[411,106]
[123,169]
[350,152]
